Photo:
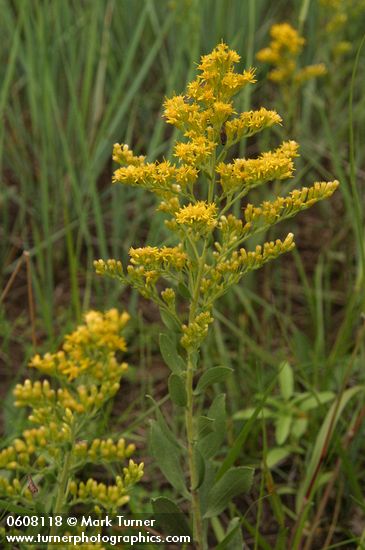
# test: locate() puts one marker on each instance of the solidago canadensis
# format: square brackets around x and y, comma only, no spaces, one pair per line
[42,468]
[196,193]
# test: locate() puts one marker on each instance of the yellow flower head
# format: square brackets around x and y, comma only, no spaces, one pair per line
[247,173]
[195,152]
[201,216]
[99,335]
[221,60]
[249,123]
[286,38]
[158,258]
[123,155]
[311,71]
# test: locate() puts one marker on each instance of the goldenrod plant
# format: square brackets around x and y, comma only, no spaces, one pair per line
[42,471]
[207,256]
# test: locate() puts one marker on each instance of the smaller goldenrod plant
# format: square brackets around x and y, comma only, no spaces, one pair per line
[283,54]
[197,193]
[42,470]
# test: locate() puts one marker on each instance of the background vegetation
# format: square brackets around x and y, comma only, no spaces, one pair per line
[78,76]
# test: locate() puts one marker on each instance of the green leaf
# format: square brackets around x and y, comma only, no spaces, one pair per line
[169,320]
[234,482]
[212,442]
[200,467]
[314,401]
[286,380]
[177,390]
[183,291]
[282,430]
[8,506]
[233,538]
[167,456]
[13,418]
[205,426]
[276,455]
[212,376]
[164,427]
[170,355]
[299,427]
[245,414]
[170,517]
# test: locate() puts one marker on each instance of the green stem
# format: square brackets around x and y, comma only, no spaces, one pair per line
[194,303]
[62,490]
[198,530]
[190,435]
[198,527]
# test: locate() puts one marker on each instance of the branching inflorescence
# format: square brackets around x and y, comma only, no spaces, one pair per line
[198,191]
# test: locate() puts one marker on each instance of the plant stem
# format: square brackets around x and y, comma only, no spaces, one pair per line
[62,490]
[198,532]
[190,435]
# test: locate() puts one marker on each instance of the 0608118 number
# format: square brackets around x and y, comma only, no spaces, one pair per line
[26,521]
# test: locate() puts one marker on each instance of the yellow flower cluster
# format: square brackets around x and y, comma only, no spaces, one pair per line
[84,398]
[123,155]
[113,268]
[283,52]
[185,114]
[164,258]
[150,263]
[244,261]
[217,75]
[196,331]
[100,450]
[206,106]
[100,336]
[231,266]
[14,489]
[196,152]
[86,373]
[244,174]
[208,258]
[249,123]
[162,178]
[44,441]
[200,217]
[269,212]
[109,497]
